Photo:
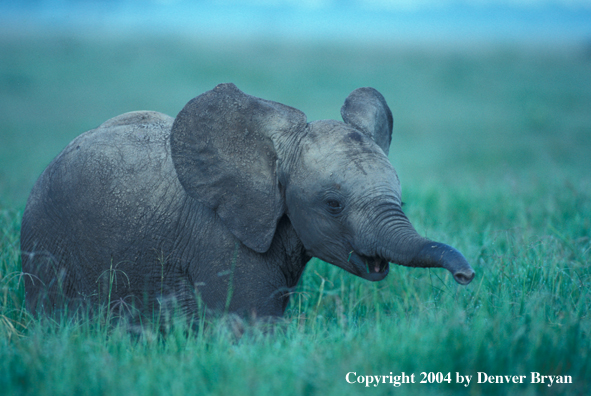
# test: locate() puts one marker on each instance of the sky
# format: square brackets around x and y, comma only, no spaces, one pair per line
[427,20]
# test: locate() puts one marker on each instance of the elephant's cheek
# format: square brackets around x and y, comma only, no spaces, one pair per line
[331,257]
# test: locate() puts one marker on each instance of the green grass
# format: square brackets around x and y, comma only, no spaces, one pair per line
[493,149]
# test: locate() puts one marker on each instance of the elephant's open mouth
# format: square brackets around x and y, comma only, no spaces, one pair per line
[370,268]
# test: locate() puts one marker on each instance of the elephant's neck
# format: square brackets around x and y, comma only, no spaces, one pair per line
[292,249]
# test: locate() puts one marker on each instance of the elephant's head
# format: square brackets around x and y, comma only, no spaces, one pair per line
[253,160]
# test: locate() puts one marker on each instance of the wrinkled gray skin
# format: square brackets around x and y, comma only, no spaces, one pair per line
[227,202]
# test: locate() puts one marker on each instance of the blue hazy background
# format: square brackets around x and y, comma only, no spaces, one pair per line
[398,20]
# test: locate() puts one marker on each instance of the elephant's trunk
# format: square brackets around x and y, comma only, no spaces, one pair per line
[435,254]
[402,245]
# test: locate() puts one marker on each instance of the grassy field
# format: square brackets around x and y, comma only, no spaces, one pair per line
[493,148]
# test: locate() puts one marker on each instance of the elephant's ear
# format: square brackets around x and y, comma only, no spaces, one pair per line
[367,110]
[224,157]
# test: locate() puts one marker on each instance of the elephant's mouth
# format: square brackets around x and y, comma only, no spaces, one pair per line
[370,268]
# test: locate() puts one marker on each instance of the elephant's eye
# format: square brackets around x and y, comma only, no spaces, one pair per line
[334,206]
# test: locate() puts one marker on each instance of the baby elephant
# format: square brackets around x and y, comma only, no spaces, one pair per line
[222,205]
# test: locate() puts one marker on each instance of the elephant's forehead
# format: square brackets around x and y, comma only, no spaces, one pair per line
[336,151]
[333,144]
[329,138]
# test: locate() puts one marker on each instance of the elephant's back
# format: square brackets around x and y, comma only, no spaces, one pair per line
[106,165]
[157,121]
[105,183]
